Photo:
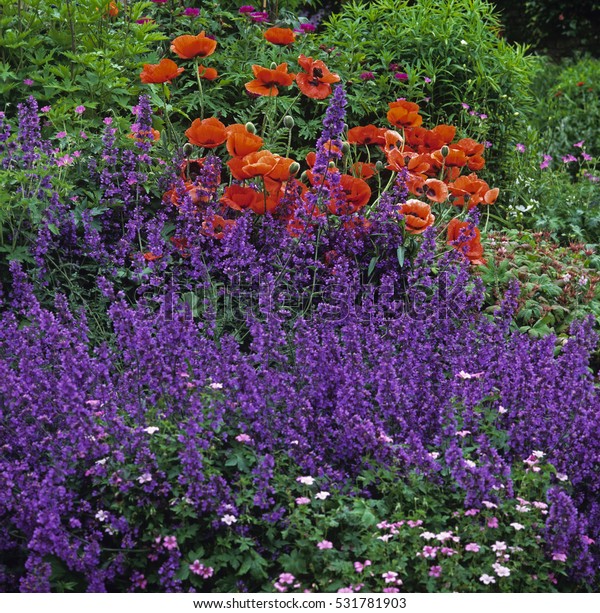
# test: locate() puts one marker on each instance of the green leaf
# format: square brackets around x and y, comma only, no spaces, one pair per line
[400,254]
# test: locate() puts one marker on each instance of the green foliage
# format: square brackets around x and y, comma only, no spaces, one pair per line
[558,285]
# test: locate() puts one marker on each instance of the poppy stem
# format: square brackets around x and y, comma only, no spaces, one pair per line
[200,90]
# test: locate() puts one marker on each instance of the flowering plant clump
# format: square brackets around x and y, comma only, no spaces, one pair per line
[229,362]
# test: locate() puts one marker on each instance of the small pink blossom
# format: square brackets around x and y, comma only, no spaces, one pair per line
[228,519]
[390,576]
[390,590]
[429,551]
[474,547]
[492,522]
[302,500]
[170,542]
[559,556]
[325,545]
[243,438]
[435,571]
[286,578]
[487,579]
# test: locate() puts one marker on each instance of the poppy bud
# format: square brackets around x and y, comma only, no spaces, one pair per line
[379,166]
[187,149]
[331,164]
[346,127]
[345,148]
[251,127]
[273,66]
[294,168]
[288,122]
[445,150]
[303,176]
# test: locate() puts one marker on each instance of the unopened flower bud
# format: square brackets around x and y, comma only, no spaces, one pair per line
[331,164]
[303,176]
[294,168]
[288,122]
[187,149]
[445,150]
[273,66]
[345,147]
[379,166]
[251,127]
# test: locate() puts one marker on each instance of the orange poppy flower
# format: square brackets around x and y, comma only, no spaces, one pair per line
[357,193]
[417,216]
[145,135]
[181,244]
[435,190]
[210,74]
[367,135]
[151,257]
[364,170]
[207,133]
[472,190]
[241,198]
[190,169]
[469,146]
[280,36]
[415,184]
[268,79]
[163,72]
[315,81]
[188,46]
[216,226]
[196,193]
[456,157]
[113,9]
[240,142]
[470,247]
[404,114]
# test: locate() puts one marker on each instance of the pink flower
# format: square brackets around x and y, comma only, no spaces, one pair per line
[196,567]
[545,162]
[500,570]
[45,109]
[80,110]
[499,546]
[170,542]
[579,144]
[302,500]
[366,76]
[390,590]
[346,590]
[191,12]
[435,571]
[486,579]
[61,134]
[243,438]
[586,156]
[568,158]
[520,147]
[447,551]
[429,551]
[474,547]
[558,556]
[390,576]
[325,545]
[360,566]
[246,9]
[27,81]
[492,522]
[286,578]
[305,480]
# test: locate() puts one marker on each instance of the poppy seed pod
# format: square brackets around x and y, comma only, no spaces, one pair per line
[294,168]
[288,122]
[187,149]
[251,127]
[445,150]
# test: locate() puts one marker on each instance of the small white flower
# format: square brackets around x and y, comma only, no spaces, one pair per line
[306,480]
[151,429]
[538,454]
[522,508]
[463,42]
[434,454]
[229,519]
[322,495]
[470,463]
[101,462]
[486,579]
[427,535]
[101,516]
[561,477]
[517,526]
[145,478]
[489,505]
[499,546]
[216,386]
[502,410]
